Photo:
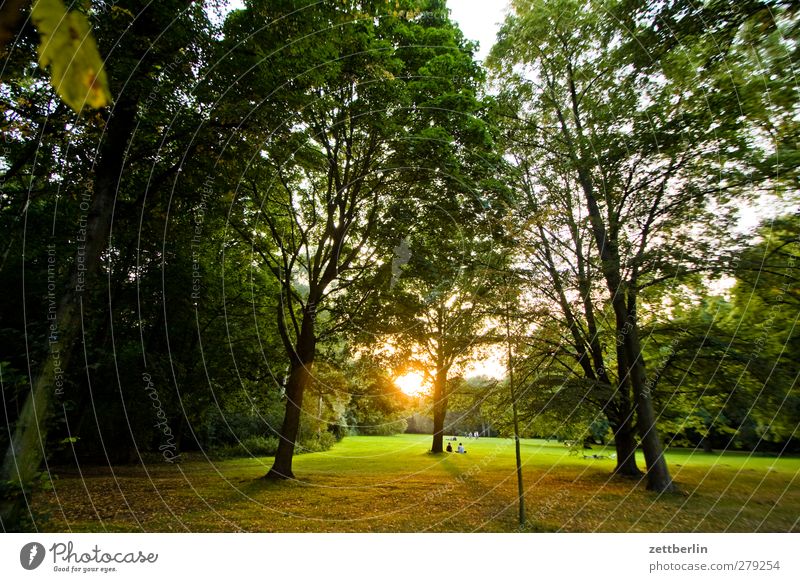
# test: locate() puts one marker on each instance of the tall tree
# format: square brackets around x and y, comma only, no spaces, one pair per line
[448,259]
[362,104]
[555,247]
[102,144]
[438,324]
[641,142]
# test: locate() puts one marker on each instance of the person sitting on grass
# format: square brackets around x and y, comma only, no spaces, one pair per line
[449,448]
[461,448]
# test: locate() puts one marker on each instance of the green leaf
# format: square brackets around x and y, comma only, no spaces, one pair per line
[69,49]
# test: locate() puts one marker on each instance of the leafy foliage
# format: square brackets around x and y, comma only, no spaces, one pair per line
[69,49]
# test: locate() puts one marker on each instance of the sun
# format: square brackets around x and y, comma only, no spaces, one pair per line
[411,383]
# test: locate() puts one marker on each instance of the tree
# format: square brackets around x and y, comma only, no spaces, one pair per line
[640,144]
[436,305]
[102,144]
[437,325]
[554,246]
[776,258]
[360,107]
[730,360]
[610,100]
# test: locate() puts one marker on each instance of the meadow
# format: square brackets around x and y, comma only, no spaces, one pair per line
[392,484]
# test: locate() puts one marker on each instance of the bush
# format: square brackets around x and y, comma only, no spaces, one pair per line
[260,446]
[232,428]
[316,444]
[395,424]
[254,446]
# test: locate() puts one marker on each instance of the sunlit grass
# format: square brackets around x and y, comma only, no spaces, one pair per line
[383,484]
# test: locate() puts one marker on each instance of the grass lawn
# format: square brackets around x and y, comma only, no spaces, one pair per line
[390,484]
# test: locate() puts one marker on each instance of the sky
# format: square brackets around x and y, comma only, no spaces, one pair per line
[479,20]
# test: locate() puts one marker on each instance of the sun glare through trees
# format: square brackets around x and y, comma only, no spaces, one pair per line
[412,384]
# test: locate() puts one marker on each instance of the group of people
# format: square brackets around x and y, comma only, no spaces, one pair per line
[460,449]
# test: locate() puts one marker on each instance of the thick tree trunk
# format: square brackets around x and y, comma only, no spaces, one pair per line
[658,477]
[299,379]
[625,444]
[624,431]
[27,448]
[439,410]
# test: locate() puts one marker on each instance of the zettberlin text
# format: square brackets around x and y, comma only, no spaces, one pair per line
[673,549]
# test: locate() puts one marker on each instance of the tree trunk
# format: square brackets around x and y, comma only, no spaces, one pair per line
[439,409]
[299,379]
[319,416]
[658,477]
[26,450]
[625,443]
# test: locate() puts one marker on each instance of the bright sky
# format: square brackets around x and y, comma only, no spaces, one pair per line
[479,20]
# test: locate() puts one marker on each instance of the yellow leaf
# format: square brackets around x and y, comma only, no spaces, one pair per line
[69,49]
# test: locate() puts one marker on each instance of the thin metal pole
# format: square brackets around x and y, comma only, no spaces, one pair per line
[520,487]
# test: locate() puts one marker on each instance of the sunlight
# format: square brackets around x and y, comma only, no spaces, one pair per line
[492,365]
[412,384]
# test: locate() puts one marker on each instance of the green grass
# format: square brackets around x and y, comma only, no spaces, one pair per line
[386,484]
